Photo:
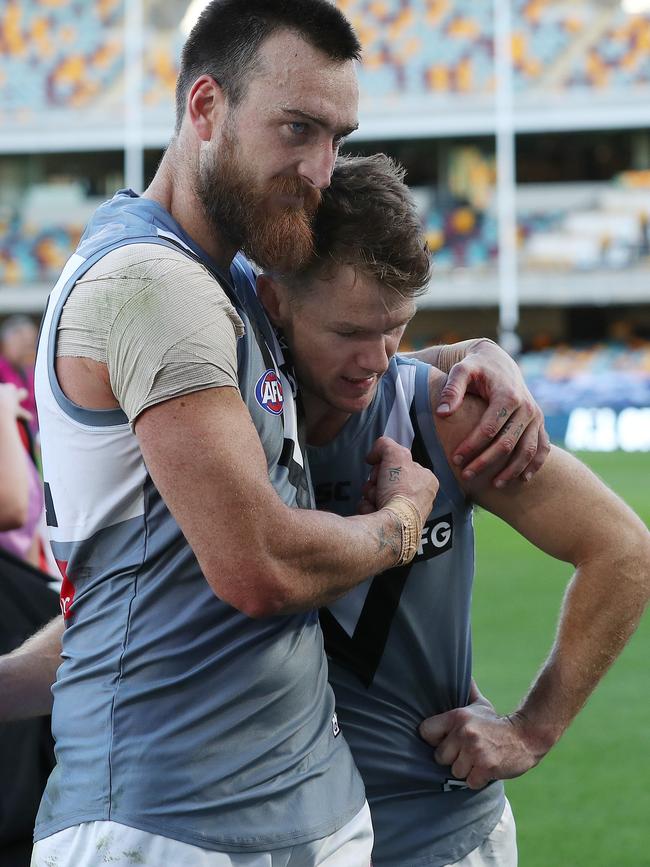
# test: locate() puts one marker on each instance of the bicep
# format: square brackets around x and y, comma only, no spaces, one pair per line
[565,510]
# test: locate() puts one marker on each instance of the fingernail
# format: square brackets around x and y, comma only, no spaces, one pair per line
[444,407]
[500,484]
[528,476]
[458,460]
[468,474]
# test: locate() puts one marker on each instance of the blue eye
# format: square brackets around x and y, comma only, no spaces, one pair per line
[298,128]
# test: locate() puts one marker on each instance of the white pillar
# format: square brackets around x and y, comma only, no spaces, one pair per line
[506,179]
[133,73]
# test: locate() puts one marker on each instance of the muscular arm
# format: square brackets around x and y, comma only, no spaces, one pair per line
[257,554]
[27,674]
[205,456]
[568,513]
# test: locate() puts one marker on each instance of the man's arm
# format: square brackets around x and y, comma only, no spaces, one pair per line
[258,554]
[27,674]
[567,512]
[481,367]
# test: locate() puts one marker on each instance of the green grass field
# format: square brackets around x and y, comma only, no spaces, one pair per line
[588,803]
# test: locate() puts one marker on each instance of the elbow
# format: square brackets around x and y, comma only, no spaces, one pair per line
[258,590]
[259,602]
[635,553]
[628,564]
[261,606]
[267,601]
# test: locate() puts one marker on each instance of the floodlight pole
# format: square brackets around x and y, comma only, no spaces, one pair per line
[133,52]
[506,179]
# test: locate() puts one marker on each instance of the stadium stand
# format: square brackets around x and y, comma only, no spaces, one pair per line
[160,69]
[602,375]
[607,226]
[37,238]
[594,397]
[420,47]
[570,227]
[617,56]
[66,60]
[65,55]
[57,55]
[564,227]
[543,32]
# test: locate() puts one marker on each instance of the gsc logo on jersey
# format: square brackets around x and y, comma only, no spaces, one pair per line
[437,537]
[268,392]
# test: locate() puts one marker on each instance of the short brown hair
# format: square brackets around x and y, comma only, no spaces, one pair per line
[225,40]
[368,219]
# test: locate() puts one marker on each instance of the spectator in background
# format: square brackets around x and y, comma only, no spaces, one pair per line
[18,336]
[21,495]
[26,748]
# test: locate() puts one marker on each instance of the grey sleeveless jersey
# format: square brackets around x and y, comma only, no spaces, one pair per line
[399,644]
[174,712]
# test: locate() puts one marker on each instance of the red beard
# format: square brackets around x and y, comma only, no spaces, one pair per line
[275,237]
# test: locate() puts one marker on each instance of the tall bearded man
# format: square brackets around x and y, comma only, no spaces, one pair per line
[192,715]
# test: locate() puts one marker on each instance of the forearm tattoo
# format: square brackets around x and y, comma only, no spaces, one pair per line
[391,538]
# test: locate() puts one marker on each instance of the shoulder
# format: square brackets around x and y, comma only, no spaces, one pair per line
[458,425]
[152,282]
[453,429]
[153,267]
[138,255]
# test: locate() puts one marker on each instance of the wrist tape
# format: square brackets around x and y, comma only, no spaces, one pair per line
[411,526]
[455,352]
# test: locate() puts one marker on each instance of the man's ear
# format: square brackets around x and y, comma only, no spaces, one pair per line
[274,297]
[206,106]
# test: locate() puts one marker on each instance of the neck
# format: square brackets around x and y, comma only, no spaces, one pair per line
[323,422]
[173,189]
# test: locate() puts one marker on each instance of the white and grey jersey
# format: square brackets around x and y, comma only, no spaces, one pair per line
[399,644]
[173,711]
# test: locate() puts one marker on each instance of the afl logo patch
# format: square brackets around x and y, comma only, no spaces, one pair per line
[268,392]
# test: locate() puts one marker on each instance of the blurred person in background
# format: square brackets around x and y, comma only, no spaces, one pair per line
[21,493]
[26,603]
[18,336]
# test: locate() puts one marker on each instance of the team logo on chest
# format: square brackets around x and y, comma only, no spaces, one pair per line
[268,392]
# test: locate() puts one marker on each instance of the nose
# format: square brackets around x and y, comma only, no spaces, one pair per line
[317,166]
[374,357]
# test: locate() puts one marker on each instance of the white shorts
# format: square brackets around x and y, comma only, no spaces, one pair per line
[99,843]
[499,849]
